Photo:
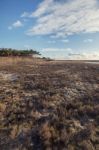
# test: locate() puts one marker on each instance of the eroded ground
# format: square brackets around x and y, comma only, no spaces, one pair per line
[49,105]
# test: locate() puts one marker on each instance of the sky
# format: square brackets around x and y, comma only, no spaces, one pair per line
[59,29]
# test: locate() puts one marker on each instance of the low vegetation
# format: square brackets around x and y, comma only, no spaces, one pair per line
[49,105]
[13,52]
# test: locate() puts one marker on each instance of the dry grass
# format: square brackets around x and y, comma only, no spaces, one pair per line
[16,60]
[48,105]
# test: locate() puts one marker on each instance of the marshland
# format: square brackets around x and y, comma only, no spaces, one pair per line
[47,105]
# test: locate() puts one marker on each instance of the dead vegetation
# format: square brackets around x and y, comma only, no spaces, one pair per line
[48,105]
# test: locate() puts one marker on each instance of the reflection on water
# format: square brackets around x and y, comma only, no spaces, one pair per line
[92,62]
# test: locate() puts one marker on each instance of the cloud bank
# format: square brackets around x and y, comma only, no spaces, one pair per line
[71,54]
[61,19]
[84,56]
[88,40]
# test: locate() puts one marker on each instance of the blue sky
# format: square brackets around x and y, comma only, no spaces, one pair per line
[61,29]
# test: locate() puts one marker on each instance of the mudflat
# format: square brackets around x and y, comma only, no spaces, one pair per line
[47,105]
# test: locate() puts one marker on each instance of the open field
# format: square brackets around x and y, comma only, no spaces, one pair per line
[48,105]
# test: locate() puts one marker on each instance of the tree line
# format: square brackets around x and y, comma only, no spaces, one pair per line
[14,52]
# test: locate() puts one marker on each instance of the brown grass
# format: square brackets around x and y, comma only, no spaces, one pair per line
[48,105]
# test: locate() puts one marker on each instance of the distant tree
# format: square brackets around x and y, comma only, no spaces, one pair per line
[13,52]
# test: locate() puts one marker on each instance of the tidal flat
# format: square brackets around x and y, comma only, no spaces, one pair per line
[48,105]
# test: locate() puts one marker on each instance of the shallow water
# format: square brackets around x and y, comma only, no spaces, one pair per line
[92,62]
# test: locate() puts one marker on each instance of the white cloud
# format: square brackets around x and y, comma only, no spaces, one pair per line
[43,7]
[63,19]
[10,27]
[16,24]
[84,56]
[65,40]
[51,41]
[88,40]
[56,50]
[25,14]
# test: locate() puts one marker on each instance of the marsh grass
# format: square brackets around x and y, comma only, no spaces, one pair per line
[51,105]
